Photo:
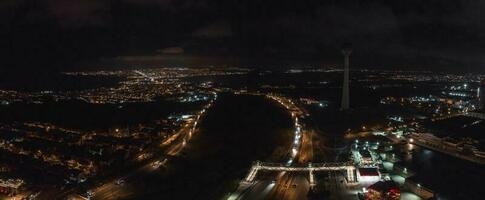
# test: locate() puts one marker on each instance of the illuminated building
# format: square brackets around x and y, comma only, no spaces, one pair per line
[383,190]
[368,175]
[365,157]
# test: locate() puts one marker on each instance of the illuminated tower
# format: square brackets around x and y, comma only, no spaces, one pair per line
[346,51]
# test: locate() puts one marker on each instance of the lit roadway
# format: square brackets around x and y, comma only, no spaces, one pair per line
[121,187]
[291,185]
[176,143]
[294,185]
[284,185]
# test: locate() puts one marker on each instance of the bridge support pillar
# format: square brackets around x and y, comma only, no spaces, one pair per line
[312,179]
[351,178]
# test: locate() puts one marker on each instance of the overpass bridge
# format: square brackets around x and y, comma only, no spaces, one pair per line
[347,167]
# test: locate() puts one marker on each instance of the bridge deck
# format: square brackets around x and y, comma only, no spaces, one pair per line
[311,167]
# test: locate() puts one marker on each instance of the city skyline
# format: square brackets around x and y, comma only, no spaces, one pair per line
[242,100]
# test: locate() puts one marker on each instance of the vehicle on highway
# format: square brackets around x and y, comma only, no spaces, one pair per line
[157,164]
[33,196]
[120,181]
[89,194]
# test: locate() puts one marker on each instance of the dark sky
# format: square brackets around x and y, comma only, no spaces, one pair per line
[426,34]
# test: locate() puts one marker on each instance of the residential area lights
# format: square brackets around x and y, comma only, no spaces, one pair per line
[186,132]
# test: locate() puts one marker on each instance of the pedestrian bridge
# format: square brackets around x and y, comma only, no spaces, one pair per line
[348,167]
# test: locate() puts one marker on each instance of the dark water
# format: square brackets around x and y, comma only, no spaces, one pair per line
[449,177]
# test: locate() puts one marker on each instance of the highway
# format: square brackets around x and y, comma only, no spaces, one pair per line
[122,186]
[284,185]
[295,185]
[290,185]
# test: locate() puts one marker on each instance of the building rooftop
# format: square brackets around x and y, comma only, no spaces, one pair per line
[368,172]
[384,186]
[365,153]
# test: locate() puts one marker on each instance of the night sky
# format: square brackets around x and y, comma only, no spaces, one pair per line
[412,34]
